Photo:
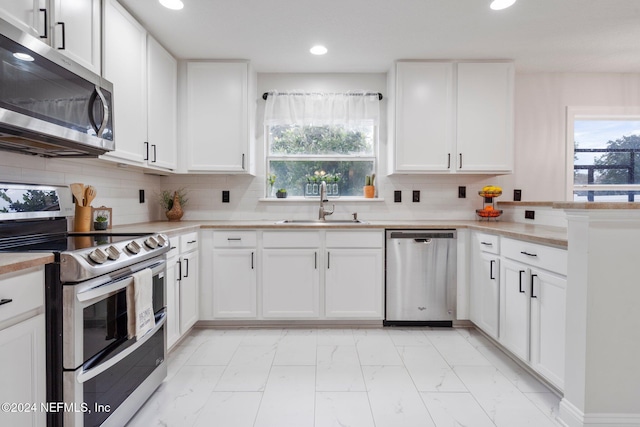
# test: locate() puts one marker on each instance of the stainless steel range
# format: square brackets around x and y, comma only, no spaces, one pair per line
[99,372]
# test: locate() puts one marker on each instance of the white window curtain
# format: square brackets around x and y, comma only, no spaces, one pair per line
[353,108]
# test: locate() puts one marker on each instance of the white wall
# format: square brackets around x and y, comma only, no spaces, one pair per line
[117,187]
[540,123]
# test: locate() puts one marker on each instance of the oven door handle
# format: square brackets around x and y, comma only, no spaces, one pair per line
[100,291]
[91,373]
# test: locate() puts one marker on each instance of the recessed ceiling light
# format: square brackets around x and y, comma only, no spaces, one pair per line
[501,4]
[23,56]
[318,50]
[172,4]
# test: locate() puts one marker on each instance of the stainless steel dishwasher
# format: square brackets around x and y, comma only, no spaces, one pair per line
[420,277]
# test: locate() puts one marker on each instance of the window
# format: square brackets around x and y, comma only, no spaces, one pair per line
[605,155]
[320,137]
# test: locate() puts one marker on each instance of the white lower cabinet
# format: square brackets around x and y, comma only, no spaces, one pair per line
[292,274]
[354,275]
[290,283]
[485,283]
[182,286]
[515,308]
[533,307]
[22,346]
[234,267]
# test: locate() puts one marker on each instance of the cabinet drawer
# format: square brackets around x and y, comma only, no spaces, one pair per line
[234,239]
[486,242]
[26,290]
[355,239]
[291,239]
[541,256]
[189,241]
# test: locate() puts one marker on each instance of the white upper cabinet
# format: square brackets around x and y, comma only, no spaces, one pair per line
[423,116]
[125,65]
[71,26]
[162,132]
[220,107]
[484,132]
[448,117]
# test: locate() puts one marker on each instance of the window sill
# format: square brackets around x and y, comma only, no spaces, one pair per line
[298,199]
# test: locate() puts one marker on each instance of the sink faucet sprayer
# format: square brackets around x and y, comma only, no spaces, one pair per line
[322,213]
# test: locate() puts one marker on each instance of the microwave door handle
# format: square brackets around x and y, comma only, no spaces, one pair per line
[97,92]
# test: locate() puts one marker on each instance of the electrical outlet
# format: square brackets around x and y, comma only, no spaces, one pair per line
[225,196]
[141,195]
[517,195]
[397,196]
[530,214]
[416,196]
[462,192]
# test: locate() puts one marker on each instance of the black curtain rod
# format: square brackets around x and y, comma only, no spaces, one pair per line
[266,94]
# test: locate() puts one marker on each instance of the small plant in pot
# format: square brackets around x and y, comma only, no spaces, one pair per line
[101,222]
[281,193]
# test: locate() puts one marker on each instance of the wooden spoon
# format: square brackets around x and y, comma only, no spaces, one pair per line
[90,193]
[78,192]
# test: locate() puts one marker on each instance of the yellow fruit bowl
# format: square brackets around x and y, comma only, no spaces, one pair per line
[490,194]
[488,213]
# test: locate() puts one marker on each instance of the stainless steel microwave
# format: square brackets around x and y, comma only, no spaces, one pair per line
[49,105]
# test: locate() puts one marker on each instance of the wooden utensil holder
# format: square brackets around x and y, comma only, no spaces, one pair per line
[83,219]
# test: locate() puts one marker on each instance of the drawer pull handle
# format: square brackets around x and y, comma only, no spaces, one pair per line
[5,301]
[234,239]
[192,241]
[527,253]
[486,243]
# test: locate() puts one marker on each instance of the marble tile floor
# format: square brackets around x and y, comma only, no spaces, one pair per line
[387,377]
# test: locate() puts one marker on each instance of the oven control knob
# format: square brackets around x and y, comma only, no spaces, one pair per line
[133,247]
[151,242]
[161,240]
[98,256]
[113,253]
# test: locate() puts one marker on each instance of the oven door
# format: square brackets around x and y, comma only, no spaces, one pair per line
[95,315]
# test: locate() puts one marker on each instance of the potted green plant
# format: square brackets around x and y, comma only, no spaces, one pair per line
[369,186]
[281,193]
[173,202]
[271,179]
[101,222]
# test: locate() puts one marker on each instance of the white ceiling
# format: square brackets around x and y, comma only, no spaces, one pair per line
[368,35]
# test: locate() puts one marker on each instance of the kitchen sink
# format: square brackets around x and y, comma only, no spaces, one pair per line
[321,222]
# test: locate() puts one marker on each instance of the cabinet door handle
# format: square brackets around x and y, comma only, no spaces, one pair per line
[243,161]
[154,153]
[64,36]
[315,260]
[46,24]
[187,261]
[520,286]
[252,260]
[4,301]
[532,276]
[328,260]
[527,253]
[146,150]
[460,161]
[179,270]
[491,263]
[448,160]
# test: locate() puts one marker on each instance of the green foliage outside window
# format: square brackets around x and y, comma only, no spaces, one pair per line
[299,155]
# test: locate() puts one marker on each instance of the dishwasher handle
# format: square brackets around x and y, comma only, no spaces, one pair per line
[424,241]
[422,235]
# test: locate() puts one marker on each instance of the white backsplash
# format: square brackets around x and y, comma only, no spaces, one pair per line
[118,188]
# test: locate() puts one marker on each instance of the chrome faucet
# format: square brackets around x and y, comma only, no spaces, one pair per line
[322,213]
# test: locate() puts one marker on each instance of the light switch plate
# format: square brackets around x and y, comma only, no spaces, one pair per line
[225,196]
[397,196]
[416,196]
[462,192]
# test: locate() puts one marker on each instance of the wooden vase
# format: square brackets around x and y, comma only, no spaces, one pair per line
[176,212]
